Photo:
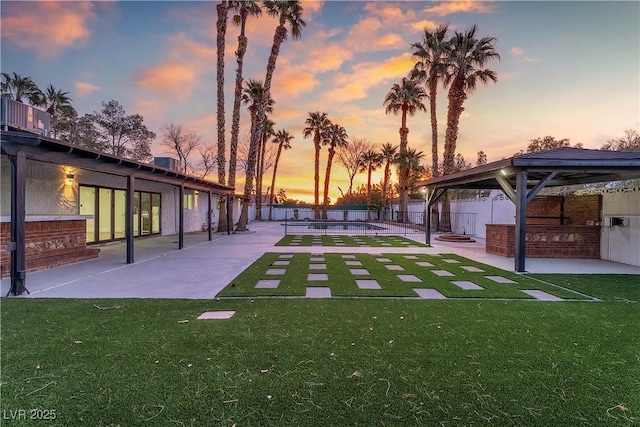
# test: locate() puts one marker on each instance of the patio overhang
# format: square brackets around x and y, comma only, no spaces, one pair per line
[521,178]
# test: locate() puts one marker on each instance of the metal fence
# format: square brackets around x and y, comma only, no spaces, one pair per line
[353,222]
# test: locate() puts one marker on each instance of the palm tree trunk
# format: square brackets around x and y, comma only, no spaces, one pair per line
[456,99]
[402,176]
[273,180]
[385,184]
[434,126]
[250,172]
[258,186]
[235,121]
[221,26]
[316,177]
[369,193]
[327,177]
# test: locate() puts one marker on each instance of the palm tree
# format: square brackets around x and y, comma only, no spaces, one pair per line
[221,27]
[243,10]
[371,161]
[253,94]
[267,132]
[287,12]
[431,69]
[336,136]
[56,102]
[405,98]
[17,87]
[317,124]
[466,58]
[389,155]
[283,139]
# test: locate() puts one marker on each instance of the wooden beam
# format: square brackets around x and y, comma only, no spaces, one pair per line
[508,190]
[539,186]
[128,223]
[521,220]
[18,217]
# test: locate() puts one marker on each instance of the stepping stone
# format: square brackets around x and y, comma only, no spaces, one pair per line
[408,278]
[281,263]
[383,260]
[386,244]
[472,269]
[499,279]
[353,263]
[359,271]
[451,261]
[286,256]
[394,267]
[317,266]
[311,277]
[368,284]
[424,264]
[294,244]
[317,259]
[429,293]
[315,292]
[442,273]
[341,244]
[216,315]
[542,296]
[276,271]
[348,257]
[410,257]
[467,286]
[268,284]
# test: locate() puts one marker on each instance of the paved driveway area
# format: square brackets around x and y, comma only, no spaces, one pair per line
[203,268]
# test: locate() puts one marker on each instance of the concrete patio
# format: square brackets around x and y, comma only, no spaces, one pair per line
[203,268]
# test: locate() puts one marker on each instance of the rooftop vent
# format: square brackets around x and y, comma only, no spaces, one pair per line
[16,115]
[167,163]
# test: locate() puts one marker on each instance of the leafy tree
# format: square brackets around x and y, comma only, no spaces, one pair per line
[283,139]
[122,135]
[404,98]
[243,9]
[467,56]
[208,159]
[181,142]
[409,165]
[336,137]
[629,142]
[350,156]
[430,69]
[481,159]
[547,143]
[316,124]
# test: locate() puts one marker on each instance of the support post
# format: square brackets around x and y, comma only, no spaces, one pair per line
[228,214]
[521,219]
[181,218]
[18,217]
[128,222]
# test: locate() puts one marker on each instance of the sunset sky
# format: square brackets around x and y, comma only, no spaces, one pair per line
[568,69]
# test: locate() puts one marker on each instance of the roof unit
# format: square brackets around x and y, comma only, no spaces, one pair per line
[19,116]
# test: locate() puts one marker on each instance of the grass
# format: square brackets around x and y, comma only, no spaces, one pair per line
[282,362]
[342,283]
[374,241]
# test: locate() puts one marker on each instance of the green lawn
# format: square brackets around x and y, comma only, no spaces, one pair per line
[343,283]
[301,362]
[350,241]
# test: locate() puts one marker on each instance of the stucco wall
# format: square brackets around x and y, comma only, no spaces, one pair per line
[621,243]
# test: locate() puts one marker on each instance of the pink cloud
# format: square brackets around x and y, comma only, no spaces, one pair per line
[46,28]
[172,79]
[84,88]
[450,7]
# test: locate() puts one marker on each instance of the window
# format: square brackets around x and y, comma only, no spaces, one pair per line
[188,201]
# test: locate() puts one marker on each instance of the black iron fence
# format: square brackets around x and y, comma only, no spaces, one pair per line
[358,222]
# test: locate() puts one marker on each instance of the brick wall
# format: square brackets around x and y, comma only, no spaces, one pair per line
[48,244]
[577,209]
[546,241]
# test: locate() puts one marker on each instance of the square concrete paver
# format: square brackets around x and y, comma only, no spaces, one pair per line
[216,315]
[281,262]
[359,271]
[409,278]
[472,269]
[317,259]
[451,261]
[312,277]
[368,284]
[442,273]
[499,279]
[542,295]
[424,264]
[316,292]
[394,267]
[276,271]
[385,244]
[286,256]
[268,284]
[383,260]
[410,257]
[348,257]
[467,286]
[427,293]
[353,263]
[317,266]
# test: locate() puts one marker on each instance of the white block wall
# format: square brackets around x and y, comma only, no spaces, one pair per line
[617,243]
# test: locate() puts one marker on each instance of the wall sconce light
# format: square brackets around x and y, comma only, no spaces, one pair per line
[196,192]
[71,177]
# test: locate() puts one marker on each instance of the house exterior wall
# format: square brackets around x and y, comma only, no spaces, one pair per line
[621,243]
